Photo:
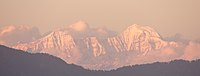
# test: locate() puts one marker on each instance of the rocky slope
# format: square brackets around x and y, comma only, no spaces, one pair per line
[99,48]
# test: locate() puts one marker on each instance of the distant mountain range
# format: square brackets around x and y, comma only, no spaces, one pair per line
[103,49]
[99,48]
[19,63]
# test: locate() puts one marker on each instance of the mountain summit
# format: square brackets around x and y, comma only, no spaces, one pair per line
[97,49]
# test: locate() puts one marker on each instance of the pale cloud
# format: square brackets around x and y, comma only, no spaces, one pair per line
[186,51]
[192,51]
[11,35]
[7,30]
[79,26]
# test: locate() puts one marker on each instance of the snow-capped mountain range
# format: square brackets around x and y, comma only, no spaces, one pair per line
[99,48]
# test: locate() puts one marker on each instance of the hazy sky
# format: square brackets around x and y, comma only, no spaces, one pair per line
[168,17]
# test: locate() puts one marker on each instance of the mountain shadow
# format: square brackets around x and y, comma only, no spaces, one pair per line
[19,63]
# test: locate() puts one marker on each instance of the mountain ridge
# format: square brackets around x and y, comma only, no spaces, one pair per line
[75,46]
[91,49]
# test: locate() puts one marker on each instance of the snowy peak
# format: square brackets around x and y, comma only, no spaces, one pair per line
[136,29]
[141,39]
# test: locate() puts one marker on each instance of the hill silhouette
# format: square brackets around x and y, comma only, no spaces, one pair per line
[19,63]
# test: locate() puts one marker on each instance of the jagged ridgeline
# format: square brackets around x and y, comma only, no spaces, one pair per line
[100,48]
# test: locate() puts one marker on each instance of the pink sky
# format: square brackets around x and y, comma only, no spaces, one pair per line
[167,17]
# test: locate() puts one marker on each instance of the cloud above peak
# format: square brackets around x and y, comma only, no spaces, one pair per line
[80,26]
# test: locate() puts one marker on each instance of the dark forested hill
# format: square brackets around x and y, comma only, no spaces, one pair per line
[18,63]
